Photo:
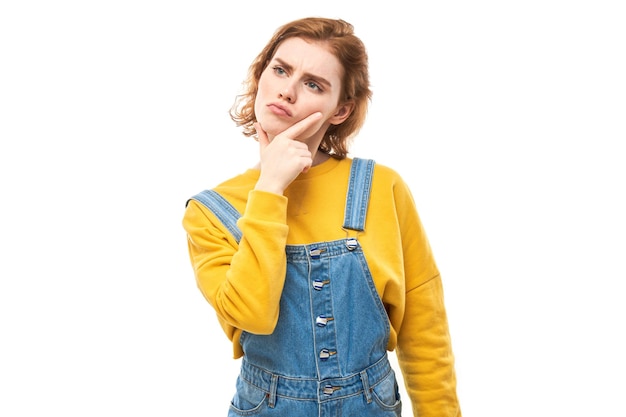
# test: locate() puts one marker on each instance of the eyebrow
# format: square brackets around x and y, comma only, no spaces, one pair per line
[317,78]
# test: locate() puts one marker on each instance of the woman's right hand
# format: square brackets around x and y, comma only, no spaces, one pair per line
[284,157]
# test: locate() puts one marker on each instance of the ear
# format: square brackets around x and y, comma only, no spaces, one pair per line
[343,111]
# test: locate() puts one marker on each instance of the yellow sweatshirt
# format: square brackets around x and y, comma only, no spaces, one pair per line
[311,210]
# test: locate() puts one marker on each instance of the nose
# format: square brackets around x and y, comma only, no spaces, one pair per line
[287,95]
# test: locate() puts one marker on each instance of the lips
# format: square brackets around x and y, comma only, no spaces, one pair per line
[279,109]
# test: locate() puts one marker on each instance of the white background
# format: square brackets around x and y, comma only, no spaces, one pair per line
[506,118]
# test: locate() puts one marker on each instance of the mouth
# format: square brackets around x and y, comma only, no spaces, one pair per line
[279,109]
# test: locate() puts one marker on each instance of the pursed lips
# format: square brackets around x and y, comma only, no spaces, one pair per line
[279,109]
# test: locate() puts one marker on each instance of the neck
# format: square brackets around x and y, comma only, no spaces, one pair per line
[319,157]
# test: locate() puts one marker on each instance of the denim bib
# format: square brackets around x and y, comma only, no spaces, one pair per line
[327,355]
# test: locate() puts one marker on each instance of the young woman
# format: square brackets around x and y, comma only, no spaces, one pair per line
[317,264]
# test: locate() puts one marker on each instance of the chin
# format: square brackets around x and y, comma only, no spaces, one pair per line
[272,128]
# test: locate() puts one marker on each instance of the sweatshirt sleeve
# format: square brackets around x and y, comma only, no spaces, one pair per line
[424,347]
[242,282]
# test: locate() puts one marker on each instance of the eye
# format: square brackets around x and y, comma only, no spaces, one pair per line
[313,86]
[278,70]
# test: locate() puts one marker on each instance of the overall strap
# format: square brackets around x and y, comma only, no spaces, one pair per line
[357,199]
[224,211]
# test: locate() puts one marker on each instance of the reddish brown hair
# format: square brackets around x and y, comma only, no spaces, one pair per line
[340,39]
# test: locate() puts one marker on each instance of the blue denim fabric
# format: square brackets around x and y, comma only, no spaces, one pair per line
[327,355]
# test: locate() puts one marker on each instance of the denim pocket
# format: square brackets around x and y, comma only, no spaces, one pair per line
[248,400]
[386,393]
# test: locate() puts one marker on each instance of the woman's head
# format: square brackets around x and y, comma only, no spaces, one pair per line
[338,38]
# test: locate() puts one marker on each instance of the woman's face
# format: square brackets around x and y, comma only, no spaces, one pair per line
[302,78]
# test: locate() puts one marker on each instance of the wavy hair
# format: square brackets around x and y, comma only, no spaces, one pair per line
[339,36]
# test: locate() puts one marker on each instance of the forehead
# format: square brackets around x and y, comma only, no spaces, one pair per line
[310,56]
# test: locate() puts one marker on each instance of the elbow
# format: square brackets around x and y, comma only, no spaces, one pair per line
[260,327]
[257,324]
[253,318]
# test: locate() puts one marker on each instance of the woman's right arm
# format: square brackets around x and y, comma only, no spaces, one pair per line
[242,282]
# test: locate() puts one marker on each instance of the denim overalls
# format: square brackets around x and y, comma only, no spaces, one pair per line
[327,355]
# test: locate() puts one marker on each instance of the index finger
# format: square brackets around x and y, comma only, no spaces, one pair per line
[299,127]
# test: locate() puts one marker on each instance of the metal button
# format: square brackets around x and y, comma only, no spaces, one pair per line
[318,285]
[352,243]
[321,321]
[325,354]
[315,253]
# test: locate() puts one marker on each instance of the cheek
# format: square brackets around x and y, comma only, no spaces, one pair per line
[260,94]
[257,109]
